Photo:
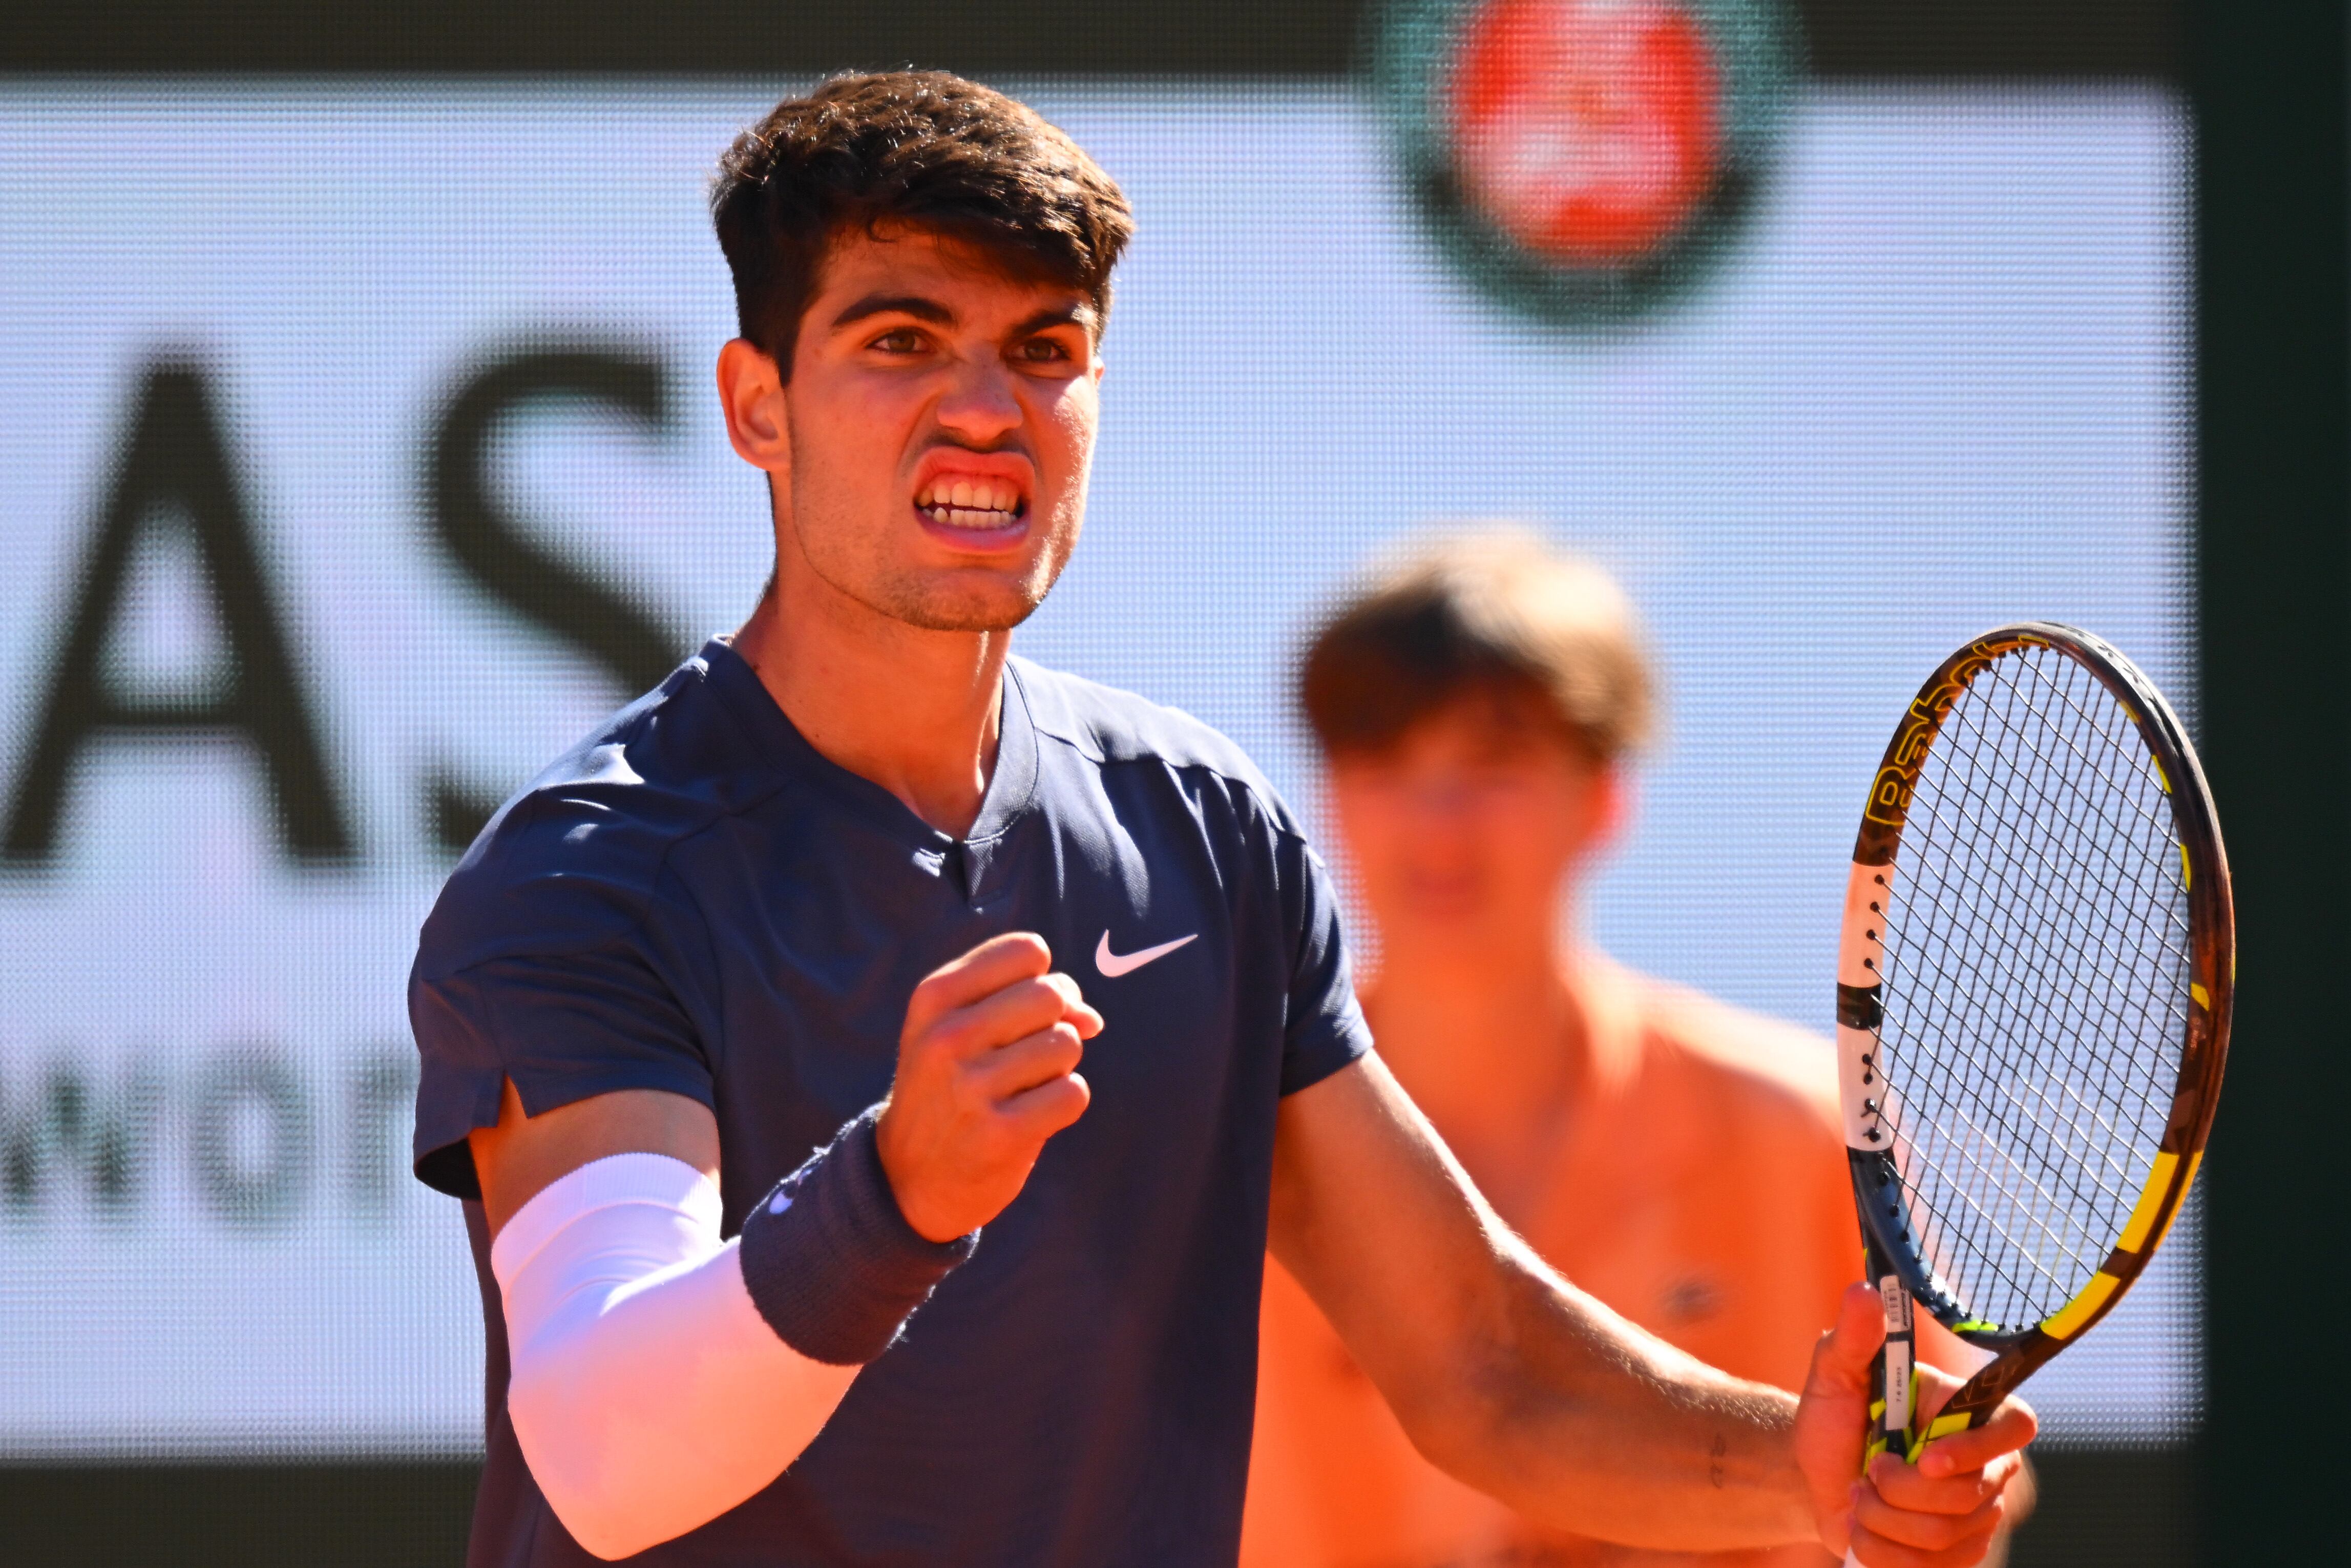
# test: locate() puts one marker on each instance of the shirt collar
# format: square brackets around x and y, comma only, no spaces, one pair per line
[1011,787]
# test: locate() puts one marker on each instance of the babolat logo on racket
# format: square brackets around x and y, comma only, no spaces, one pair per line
[1889,794]
[1583,161]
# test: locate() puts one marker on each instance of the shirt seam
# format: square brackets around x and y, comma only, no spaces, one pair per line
[1257,802]
[637,916]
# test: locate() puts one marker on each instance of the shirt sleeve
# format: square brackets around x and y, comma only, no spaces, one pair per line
[1325,1029]
[569,986]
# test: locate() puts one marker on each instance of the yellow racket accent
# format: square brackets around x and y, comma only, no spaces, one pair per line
[2142,1219]
[2068,1319]
[1943,1427]
[2185,1183]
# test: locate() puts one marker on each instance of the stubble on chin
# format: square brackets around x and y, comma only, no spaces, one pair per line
[849,553]
[969,600]
[932,607]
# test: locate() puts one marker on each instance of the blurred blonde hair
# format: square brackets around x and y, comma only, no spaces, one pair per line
[1490,609]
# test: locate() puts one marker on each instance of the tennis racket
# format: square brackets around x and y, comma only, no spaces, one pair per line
[2033,988]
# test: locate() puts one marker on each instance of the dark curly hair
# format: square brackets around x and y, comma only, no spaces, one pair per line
[923,150]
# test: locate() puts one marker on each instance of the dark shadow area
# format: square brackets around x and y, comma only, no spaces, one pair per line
[409,1515]
[1934,39]
[2112,1506]
[2274,488]
[2098,1507]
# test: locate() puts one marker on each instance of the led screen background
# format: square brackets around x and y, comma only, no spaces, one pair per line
[1939,384]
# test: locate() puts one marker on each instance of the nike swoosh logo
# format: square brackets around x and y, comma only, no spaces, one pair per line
[1114,965]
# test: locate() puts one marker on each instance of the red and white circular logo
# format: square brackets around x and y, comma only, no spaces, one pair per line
[1587,131]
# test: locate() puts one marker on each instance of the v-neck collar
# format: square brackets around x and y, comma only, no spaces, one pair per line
[1012,786]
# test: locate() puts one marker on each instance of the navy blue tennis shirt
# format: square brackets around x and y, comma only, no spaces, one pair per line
[695,899]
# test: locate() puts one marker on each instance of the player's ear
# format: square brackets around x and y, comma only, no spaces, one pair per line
[1609,808]
[751,396]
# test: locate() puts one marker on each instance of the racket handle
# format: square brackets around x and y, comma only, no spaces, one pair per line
[1877,1433]
[1894,1375]
[1877,1412]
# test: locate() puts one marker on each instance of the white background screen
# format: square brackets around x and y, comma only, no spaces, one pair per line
[1939,384]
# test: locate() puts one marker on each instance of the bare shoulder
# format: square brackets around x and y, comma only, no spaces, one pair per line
[1765,1066]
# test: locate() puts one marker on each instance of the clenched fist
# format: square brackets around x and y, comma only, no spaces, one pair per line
[986,1073]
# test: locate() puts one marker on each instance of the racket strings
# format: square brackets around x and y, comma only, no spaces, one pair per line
[2077,932]
[2025,1197]
[2036,953]
[2071,1110]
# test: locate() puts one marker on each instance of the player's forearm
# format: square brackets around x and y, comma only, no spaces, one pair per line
[645,1414]
[1500,1372]
[1578,1418]
[660,1376]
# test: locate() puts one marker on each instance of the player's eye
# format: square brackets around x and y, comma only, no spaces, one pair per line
[898,341]
[1041,352]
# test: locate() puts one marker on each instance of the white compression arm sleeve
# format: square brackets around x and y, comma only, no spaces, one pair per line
[648,1393]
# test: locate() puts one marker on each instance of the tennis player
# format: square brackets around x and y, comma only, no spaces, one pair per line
[1684,1161]
[752,1029]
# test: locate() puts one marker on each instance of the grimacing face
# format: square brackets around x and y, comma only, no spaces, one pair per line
[936,434]
[1466,827]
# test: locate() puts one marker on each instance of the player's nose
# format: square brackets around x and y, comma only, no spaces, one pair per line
[980,405]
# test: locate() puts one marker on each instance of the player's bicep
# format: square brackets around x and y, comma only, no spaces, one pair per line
[522,1154]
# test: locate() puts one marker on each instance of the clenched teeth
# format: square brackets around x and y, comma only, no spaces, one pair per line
[963,502]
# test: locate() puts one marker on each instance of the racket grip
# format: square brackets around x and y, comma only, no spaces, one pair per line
[1877,1433]
[1875,1442]
[1893,1374]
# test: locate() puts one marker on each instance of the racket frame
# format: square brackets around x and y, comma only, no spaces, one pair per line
[1898,1262]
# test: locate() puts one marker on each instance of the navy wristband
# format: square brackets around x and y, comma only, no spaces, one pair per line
[831,1261]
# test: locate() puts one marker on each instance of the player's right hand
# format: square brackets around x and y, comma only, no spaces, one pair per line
[1939,1513]
[986,1073]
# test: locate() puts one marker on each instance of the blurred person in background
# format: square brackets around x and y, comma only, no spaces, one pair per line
[1677,1157]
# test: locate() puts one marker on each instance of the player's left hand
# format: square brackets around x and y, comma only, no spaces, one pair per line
[1939,1513]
